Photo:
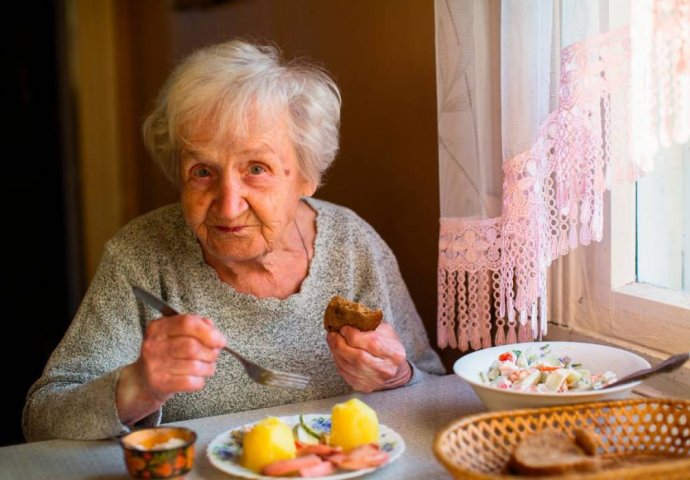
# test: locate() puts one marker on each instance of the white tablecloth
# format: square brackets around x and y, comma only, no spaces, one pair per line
[416,413]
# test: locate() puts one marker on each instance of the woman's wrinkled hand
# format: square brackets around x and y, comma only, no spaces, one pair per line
[370,361]
[178,354]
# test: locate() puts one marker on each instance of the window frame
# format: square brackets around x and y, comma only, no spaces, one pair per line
[650,320]
[645,314]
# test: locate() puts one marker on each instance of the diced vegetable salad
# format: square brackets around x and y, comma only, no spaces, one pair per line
[542,371]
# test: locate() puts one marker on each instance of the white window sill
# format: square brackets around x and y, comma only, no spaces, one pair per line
[671,299]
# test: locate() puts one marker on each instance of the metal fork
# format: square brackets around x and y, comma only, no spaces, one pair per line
[668,365]
[259,374]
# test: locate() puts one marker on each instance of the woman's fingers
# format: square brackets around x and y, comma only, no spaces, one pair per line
[189,348]
[373,363]
[195,368]
[382,343]
[165,375]
[179,353]
[183,337]
[167,383]
[359,378]
[187,326]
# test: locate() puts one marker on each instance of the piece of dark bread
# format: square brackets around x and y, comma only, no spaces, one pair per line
[587,439]
[341,312]
[550,452]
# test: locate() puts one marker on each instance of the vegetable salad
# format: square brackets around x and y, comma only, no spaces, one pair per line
[542,371]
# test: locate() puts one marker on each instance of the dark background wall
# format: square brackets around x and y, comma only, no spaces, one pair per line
[381,53]
[32,195]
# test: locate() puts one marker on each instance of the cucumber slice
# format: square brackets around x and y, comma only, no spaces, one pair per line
[307,428]
[303,436]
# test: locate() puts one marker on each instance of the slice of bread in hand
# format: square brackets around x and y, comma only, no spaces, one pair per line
[550,452]
[341,312]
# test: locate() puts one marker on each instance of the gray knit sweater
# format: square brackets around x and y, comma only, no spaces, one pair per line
[75,396]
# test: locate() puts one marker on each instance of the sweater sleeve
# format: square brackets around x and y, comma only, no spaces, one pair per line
[391,294]
[408,324]
[75,398]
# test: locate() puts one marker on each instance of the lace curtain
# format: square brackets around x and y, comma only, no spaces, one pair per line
[541,105]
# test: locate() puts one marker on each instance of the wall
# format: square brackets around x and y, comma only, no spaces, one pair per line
[35,291]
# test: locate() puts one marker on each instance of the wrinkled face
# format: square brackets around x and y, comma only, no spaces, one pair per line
[239,197]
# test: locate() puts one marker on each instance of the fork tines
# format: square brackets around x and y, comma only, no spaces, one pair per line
[286,380]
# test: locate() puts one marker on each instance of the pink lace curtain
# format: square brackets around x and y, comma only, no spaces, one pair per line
[541,105]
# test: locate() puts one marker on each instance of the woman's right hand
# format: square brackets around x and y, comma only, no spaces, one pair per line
[177,355]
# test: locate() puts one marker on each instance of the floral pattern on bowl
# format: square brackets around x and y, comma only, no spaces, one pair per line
[144,458]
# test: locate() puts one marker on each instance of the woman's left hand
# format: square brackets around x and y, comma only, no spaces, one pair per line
[370,361]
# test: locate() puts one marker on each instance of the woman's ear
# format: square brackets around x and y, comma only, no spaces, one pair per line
[308,188]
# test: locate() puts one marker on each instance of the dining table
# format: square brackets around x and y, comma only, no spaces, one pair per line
[416,412]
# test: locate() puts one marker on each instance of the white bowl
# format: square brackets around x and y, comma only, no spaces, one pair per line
[597,358]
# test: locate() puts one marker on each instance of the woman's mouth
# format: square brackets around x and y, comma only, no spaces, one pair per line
[224,229]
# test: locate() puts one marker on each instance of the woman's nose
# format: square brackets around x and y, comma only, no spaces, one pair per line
[230,200]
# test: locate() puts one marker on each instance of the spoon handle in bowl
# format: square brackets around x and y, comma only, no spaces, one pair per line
[667,365]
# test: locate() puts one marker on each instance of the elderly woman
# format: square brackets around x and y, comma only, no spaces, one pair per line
[247,254]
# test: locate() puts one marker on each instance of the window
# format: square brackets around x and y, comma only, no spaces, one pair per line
[619,295]
[648,311]
[607,302]
[650,314]
[663,222]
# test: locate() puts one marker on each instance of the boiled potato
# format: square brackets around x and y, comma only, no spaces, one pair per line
[268,441]
[353,423]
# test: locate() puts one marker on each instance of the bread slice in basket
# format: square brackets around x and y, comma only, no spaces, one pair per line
[341,311]
[550,452]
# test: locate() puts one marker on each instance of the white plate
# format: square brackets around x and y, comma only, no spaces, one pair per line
[224,451]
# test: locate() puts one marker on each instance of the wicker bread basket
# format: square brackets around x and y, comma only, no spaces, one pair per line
[643,439]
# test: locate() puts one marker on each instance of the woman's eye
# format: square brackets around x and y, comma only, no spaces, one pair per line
[202,172]
[256,169]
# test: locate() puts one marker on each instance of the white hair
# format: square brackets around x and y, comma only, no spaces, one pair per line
[219,87]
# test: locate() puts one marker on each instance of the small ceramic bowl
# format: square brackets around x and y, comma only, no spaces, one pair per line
[159,452]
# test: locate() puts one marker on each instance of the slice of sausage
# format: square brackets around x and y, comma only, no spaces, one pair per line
[364,456]
[319,470]
[293,465]
[318,449]
[336,458]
